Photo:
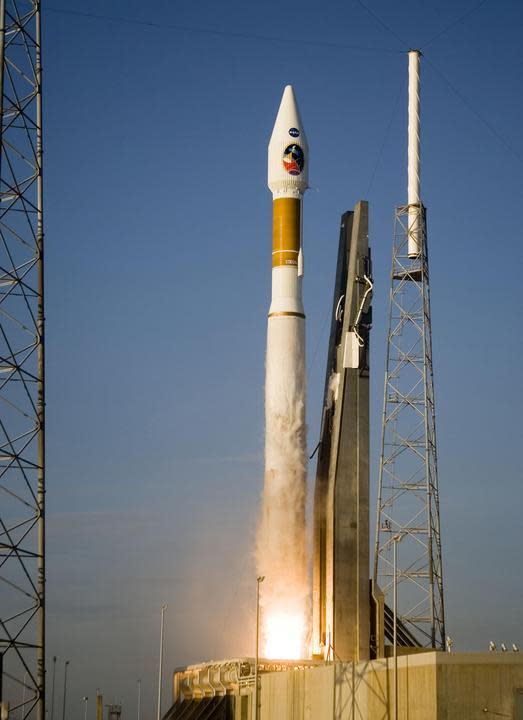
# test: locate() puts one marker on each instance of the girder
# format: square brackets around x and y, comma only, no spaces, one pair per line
[22,396]
[408,499]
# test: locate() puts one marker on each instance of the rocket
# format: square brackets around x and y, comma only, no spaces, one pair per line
[282,539]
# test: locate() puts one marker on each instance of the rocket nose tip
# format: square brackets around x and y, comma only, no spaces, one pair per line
[291,174]
[288,104]
[288,122]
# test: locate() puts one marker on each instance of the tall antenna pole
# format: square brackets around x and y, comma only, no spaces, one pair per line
[408,498]
[414,198]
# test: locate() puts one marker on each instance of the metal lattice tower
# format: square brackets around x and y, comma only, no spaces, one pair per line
[408,500]
[22,400]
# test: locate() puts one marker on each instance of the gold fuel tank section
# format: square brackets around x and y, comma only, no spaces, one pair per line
[286,231]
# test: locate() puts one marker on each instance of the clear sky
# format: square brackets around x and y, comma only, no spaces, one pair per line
[158,230]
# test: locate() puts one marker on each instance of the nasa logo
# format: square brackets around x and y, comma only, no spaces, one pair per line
[293,159]
[294,132]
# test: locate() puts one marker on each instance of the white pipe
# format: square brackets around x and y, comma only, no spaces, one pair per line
[414,199]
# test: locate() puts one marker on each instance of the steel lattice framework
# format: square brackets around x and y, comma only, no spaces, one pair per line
[22,401]
[408,501]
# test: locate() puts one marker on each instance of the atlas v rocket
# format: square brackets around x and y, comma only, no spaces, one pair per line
[282,538]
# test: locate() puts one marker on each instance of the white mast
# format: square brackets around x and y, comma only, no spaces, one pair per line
[414,199]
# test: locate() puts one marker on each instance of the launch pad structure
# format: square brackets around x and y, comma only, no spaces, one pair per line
[408,497]
[431,686]
[341,605]
[22,377]
[408,563]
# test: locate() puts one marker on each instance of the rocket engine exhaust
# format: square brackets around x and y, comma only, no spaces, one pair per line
[281,551]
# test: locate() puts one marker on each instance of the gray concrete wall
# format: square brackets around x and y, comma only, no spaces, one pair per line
[475,685]
[432,686]
[298,694]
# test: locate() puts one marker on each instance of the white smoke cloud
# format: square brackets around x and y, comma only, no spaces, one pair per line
[281,551]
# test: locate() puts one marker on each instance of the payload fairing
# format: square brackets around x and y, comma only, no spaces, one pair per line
[288,178]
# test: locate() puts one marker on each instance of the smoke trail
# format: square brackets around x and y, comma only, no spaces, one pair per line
[282,539]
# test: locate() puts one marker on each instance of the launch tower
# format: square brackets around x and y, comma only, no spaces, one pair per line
[22,400]
[341,607]
[408,523]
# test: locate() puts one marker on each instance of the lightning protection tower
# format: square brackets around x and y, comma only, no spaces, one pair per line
[22,401]
[408,565]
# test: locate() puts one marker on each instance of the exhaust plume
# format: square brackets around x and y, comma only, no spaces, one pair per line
[282,538]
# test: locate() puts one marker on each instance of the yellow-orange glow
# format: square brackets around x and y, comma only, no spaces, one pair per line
[284,636]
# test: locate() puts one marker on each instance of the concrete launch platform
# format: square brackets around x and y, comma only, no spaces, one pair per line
[432,686]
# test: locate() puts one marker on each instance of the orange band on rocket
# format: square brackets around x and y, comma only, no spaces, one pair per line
[286,230]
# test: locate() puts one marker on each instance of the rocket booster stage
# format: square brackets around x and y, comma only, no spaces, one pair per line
[282,539]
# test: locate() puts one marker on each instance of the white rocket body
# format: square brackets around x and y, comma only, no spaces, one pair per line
[282,539]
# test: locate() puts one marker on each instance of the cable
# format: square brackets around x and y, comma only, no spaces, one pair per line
[219,33]
[456,22]
[434,37]
[384,142]
[478,115]
[382,23]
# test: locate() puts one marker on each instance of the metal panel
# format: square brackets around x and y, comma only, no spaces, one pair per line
[351,353]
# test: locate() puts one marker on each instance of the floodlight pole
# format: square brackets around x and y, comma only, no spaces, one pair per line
[396,539]
[52,687]
[65,689]
[259,580]
[159,715]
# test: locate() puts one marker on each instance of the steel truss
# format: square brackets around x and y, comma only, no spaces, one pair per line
[22,401]
[408,500]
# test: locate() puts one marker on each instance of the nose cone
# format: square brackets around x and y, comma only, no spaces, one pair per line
[288,171]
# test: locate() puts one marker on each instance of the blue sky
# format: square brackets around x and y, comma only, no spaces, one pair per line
[158,223]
